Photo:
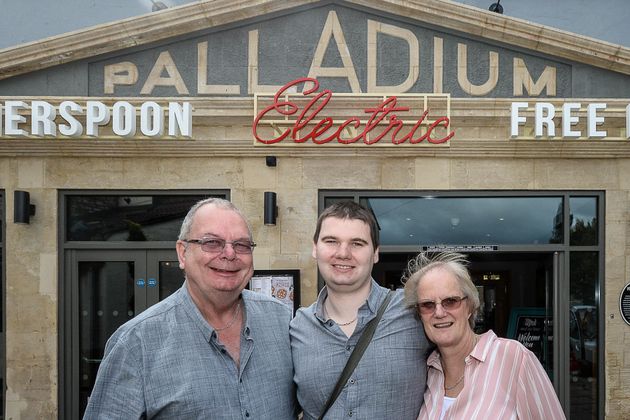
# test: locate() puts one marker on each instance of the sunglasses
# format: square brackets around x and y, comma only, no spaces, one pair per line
[428,307]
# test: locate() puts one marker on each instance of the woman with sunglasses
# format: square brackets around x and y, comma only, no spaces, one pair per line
[471,376]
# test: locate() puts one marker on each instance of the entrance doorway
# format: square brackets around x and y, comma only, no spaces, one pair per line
[515,291]
[113,286]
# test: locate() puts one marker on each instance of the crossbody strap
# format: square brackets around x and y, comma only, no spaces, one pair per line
[357,353]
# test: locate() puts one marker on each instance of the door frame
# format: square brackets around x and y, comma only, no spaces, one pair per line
[562,282]
[144,296]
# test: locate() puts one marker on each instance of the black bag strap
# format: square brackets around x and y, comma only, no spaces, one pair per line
[357,353]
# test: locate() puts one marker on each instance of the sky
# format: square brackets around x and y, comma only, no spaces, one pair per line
[23,21]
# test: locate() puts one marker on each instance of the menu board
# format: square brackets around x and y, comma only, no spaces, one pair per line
[527,325]
[280,284]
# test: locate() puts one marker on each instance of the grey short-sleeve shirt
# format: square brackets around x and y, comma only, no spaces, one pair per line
[168,364]
[390,379]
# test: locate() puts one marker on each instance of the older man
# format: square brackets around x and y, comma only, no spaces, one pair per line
[388,379]
[209,351]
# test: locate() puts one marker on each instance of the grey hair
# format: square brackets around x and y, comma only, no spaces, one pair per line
[455,263]
[184,231]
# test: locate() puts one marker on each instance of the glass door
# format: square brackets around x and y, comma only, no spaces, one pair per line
[164,276]
[109,288]
[516,292]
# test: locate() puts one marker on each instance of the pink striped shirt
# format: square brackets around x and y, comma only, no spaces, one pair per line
[502,380]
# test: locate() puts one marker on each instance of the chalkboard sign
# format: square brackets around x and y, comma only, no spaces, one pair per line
[527,325]
[624,303]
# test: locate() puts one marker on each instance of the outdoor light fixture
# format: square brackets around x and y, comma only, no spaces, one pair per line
[271,160]
[271,209]
[22,207]
[157,6]
[496,7]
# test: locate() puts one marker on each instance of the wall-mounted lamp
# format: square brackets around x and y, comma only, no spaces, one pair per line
[157,6]
[496,7]
[271,209]
[22,207]
[271,160]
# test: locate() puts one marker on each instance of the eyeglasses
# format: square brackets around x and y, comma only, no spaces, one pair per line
[450,303]
[215,245]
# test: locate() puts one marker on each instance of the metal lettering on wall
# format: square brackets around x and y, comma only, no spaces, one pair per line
[624,303]
[347,50]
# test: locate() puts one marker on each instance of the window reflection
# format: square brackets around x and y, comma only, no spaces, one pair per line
[468,220]
[106,291]
[583,220]
[127,217]
[583,334]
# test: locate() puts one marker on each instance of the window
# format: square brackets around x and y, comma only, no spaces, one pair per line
[467,220]
[525,248]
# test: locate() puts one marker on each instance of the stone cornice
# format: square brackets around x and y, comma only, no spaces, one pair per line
[222,128]
[202,15]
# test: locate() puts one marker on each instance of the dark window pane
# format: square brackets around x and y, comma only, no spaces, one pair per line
[583,335]
[468,220]
[106,302]
[171,278]
[127,218]
[583,212]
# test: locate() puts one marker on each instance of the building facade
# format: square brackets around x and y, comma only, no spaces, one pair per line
[461,129]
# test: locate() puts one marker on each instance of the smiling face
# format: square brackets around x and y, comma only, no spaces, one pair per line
[345,254]
[212,273]
[444,328]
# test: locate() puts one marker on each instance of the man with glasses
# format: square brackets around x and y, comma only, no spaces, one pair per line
[391,374]
[210,350]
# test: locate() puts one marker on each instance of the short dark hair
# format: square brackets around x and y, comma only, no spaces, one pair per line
[349,210]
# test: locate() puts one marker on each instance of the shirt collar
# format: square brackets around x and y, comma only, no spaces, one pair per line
[376,296]
[480,352]
[482,349]
[193,311]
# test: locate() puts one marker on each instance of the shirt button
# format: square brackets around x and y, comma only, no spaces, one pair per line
[350,413]
[348,348]
[330,323]
[223,351]
[352,381]
[247,414]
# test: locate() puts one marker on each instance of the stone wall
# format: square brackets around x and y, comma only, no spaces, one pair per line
[32,250]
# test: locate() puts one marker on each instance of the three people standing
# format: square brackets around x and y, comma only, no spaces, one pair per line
[215,350]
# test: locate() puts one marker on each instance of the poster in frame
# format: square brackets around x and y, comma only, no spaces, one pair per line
[283,285]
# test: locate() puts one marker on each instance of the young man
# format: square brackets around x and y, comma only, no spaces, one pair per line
[209,351]
[392,371]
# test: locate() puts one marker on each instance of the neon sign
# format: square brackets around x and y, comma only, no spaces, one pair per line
[312,116]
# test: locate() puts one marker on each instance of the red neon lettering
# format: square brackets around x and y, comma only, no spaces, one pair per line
[383,113]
